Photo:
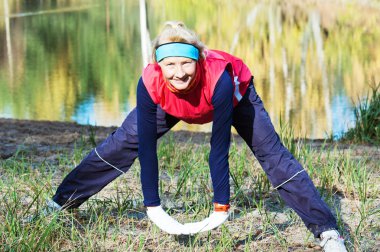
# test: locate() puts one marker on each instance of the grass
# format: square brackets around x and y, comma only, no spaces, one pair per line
[115,220]
[367,120]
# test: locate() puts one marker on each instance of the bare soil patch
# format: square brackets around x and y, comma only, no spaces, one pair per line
[45,137]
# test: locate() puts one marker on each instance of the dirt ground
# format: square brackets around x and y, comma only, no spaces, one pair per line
[45,137]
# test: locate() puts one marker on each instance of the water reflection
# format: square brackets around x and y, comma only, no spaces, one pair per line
[80,60]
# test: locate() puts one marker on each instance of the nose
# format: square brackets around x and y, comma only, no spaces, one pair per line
[179,73]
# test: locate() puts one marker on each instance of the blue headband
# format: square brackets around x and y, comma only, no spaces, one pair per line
[176,49]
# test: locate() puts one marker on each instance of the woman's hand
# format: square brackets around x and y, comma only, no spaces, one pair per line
[217,218]
[213,221]
[166,223]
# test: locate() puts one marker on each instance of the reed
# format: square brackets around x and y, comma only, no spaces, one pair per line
[367,123]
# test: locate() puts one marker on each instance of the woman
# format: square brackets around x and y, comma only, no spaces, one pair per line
[187,82]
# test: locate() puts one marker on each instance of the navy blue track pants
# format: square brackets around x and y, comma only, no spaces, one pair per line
[253,124]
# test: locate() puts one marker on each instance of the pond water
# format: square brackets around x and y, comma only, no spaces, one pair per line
[81,60]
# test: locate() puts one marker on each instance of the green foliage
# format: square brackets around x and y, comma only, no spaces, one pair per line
[367,125]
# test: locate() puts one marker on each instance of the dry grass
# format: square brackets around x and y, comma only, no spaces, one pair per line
[115,220]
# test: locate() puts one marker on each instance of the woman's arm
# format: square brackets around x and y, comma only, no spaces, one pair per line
[222,101]
[147,132]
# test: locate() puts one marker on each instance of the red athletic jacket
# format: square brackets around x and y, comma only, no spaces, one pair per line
[195,106]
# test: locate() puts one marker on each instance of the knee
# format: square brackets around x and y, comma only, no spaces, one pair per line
[267,145]
[119,143]
[123,136]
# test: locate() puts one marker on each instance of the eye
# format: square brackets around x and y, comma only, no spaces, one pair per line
[169,64]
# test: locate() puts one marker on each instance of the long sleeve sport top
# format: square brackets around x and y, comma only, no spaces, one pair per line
[222,101]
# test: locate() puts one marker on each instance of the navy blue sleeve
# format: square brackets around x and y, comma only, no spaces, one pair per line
[147,132]
[222,100]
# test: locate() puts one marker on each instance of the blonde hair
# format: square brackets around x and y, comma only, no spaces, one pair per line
[176,31]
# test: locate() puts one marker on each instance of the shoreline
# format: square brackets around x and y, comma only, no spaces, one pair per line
[47,136]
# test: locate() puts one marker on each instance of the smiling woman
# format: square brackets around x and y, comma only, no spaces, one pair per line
[179,71]
[197,86]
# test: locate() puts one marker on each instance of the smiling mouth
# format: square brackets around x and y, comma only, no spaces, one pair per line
[179,81]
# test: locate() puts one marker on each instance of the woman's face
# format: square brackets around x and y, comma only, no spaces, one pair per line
[179,71]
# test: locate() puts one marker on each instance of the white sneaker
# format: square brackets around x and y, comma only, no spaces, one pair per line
[50,208]
[331,241]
